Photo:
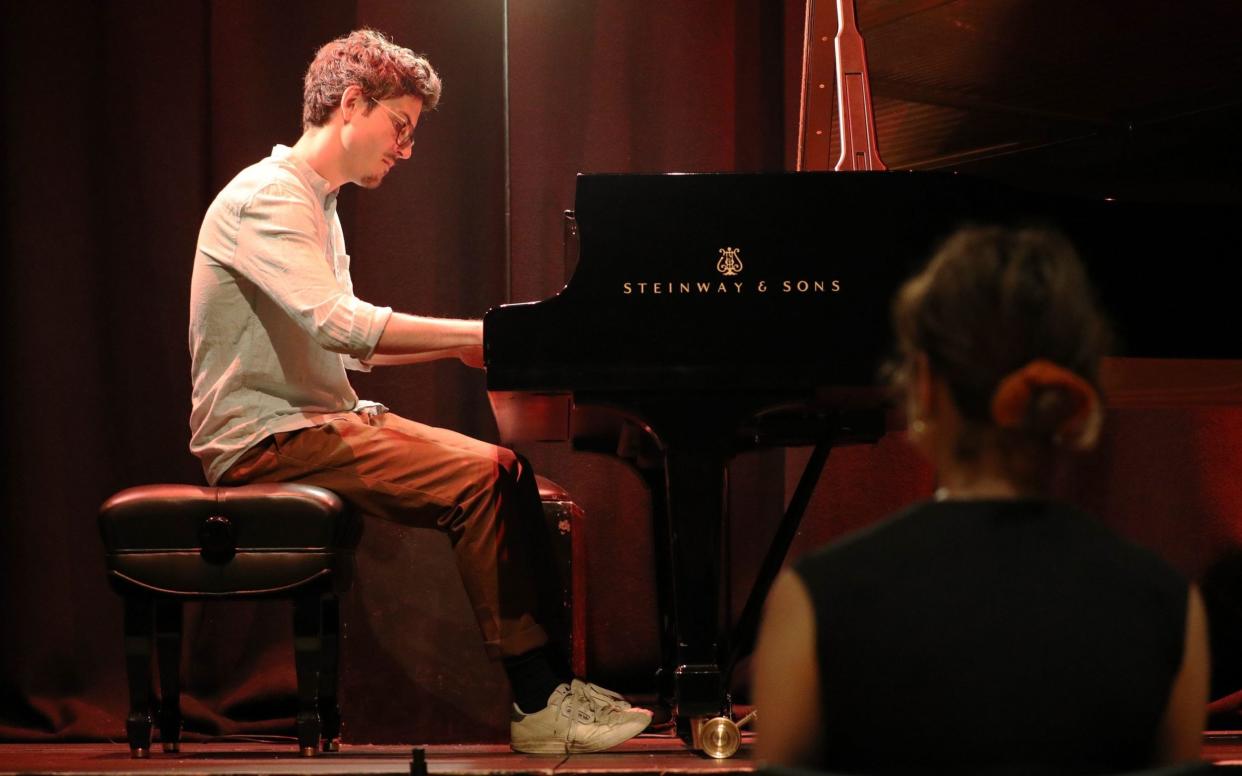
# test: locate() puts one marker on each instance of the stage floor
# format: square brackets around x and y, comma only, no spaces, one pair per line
[647,754]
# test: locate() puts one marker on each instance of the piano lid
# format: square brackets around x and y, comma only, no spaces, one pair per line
[1060,94]
[648,301]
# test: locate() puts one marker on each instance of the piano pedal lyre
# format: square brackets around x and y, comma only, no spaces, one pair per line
[719,737]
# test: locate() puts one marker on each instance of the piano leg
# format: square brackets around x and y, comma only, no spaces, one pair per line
[662,533]
[695,487]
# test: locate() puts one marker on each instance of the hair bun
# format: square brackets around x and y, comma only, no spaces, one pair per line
[1043,397]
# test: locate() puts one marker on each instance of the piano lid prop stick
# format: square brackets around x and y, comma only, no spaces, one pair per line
[859,150]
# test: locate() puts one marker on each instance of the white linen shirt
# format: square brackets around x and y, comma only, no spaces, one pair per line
[274,322]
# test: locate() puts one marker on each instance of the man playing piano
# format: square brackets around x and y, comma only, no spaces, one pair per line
[274,324]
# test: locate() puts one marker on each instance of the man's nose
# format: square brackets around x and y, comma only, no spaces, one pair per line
[404,152]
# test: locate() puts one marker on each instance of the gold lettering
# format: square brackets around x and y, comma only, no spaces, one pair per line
[630,287]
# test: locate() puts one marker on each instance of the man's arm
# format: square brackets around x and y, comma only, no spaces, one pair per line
[408,334]
[280,250]
[413,339]
[412,358]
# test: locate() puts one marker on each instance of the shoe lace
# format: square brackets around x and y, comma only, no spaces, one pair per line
[589,706]
[602,697]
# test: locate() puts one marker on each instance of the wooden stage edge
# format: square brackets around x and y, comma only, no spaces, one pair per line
[647,754]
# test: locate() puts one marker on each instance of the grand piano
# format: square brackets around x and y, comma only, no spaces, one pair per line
[708,314]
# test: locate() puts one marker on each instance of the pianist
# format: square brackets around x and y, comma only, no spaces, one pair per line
[274,324]
[991,629]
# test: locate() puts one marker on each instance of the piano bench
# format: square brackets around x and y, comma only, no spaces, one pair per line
[167,544]
[564,519]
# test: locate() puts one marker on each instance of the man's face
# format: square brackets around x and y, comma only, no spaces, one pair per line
[372,146]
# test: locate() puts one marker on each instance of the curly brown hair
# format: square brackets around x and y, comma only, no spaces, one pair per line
[370,60]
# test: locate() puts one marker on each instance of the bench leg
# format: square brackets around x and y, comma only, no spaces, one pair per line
[329,703]
[139,627]
[308,655]
[168,654]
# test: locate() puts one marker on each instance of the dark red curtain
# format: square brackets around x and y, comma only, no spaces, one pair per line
[123,119]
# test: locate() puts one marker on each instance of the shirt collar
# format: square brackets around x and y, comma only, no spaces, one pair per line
[318,183]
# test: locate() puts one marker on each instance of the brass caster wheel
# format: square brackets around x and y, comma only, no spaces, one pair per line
[172,747]
[719,737]
[308,751]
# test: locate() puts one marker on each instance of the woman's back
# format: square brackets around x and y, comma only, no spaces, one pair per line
[1008,635]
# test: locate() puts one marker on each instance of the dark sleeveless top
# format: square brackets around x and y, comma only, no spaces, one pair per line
[992,637]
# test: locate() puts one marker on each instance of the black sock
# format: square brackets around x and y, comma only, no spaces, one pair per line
[534,675]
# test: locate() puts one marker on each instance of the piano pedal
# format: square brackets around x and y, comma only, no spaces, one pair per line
[719,737]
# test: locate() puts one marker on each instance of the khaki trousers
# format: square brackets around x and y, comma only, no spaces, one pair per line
[484,497]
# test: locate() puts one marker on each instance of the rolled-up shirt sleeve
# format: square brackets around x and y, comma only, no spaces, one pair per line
[281,249]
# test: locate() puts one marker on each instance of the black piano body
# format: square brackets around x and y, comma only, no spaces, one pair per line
[719,311]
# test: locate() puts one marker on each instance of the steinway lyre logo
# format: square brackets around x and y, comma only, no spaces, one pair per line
[730,264]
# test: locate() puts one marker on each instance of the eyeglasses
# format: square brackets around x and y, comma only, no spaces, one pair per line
[405,130]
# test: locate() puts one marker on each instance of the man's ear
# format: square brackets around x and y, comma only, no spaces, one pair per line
[352,102]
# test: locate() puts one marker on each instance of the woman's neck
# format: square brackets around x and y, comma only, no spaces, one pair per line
[960,483]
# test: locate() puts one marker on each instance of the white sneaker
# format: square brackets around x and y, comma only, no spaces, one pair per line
[580,717]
